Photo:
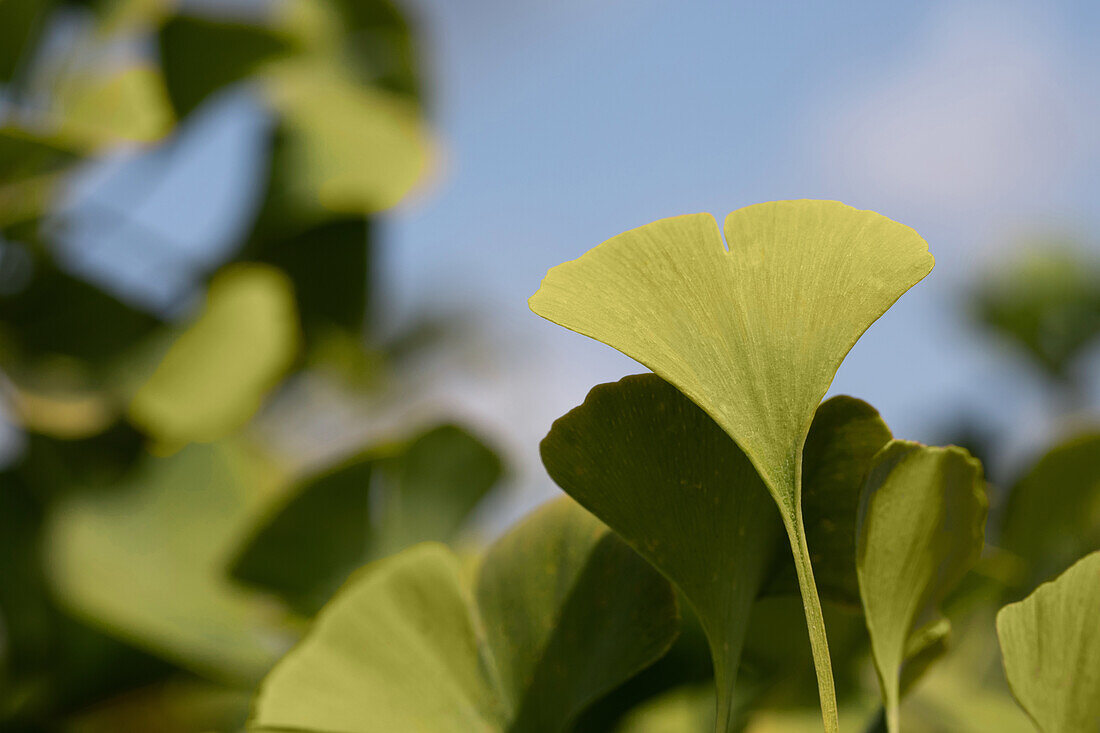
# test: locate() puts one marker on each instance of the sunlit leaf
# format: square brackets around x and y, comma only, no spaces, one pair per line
[370,506]
[349,148]
[145,560]
[682,710]
[216,374]
[562,611]
[127,105]
[922,528]
[753,334]
[1052,515]
[662,474]
[1051,644]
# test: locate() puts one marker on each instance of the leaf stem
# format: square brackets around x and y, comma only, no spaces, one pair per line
[815,621]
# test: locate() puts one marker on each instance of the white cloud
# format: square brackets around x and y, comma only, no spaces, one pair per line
[986,111]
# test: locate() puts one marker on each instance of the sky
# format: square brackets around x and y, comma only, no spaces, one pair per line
[561,124]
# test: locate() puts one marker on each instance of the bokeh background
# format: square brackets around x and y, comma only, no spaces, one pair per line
[264,267]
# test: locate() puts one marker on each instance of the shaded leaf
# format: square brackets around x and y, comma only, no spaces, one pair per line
[216,374]
[844,437]
[1052,514]
[200,56]
[127,105]
[21,23]
[372,505]
[563,612]
[1048,301]
[922,528]
[664,476]
[145,559]
[1051,644]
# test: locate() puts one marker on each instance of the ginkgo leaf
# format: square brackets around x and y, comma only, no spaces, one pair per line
[346,148]
[753,334]
[845,436]
[369,506]
[922,528]
[145,560]
[216,374]
[561,612]
[1052,515]
[663,475]
[1051,643]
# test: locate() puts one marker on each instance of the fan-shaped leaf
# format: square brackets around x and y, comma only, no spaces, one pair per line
[563,612]
[662,474]
[922,528]
[1051,644]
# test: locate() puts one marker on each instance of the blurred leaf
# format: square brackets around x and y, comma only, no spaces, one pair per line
[683,710]
[127,105]
[1051,644]
[1048,301]
[1052,515]
[145,561]
[217,373]
[58,314]
[175,706]
[922,528]
[21,23]
[844,437]
[345,148]
[50,664]
[370,506]
[201,56]
[329,267]
[664,476]
[563,612]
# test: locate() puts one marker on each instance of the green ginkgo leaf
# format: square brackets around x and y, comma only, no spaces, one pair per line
[372,505]
[922,528]
[662,474]
[217,373]
[145,560]
[561,612]
[1051,643]
[1052,516]
[845,436]
[753,334]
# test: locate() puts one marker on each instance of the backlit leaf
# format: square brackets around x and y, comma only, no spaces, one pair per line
[1051,644]
[562,611]
[922,528]
[145,560]
[216,374]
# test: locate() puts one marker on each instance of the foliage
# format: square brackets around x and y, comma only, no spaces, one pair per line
[734,554]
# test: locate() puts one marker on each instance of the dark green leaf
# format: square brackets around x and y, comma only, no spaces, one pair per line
[662,474]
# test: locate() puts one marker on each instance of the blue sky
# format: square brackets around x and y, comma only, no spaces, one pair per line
[562,124]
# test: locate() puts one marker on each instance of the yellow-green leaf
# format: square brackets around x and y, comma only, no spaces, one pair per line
[562,611]
[922,528]
[1051,647]
[145,560]
[217,373]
